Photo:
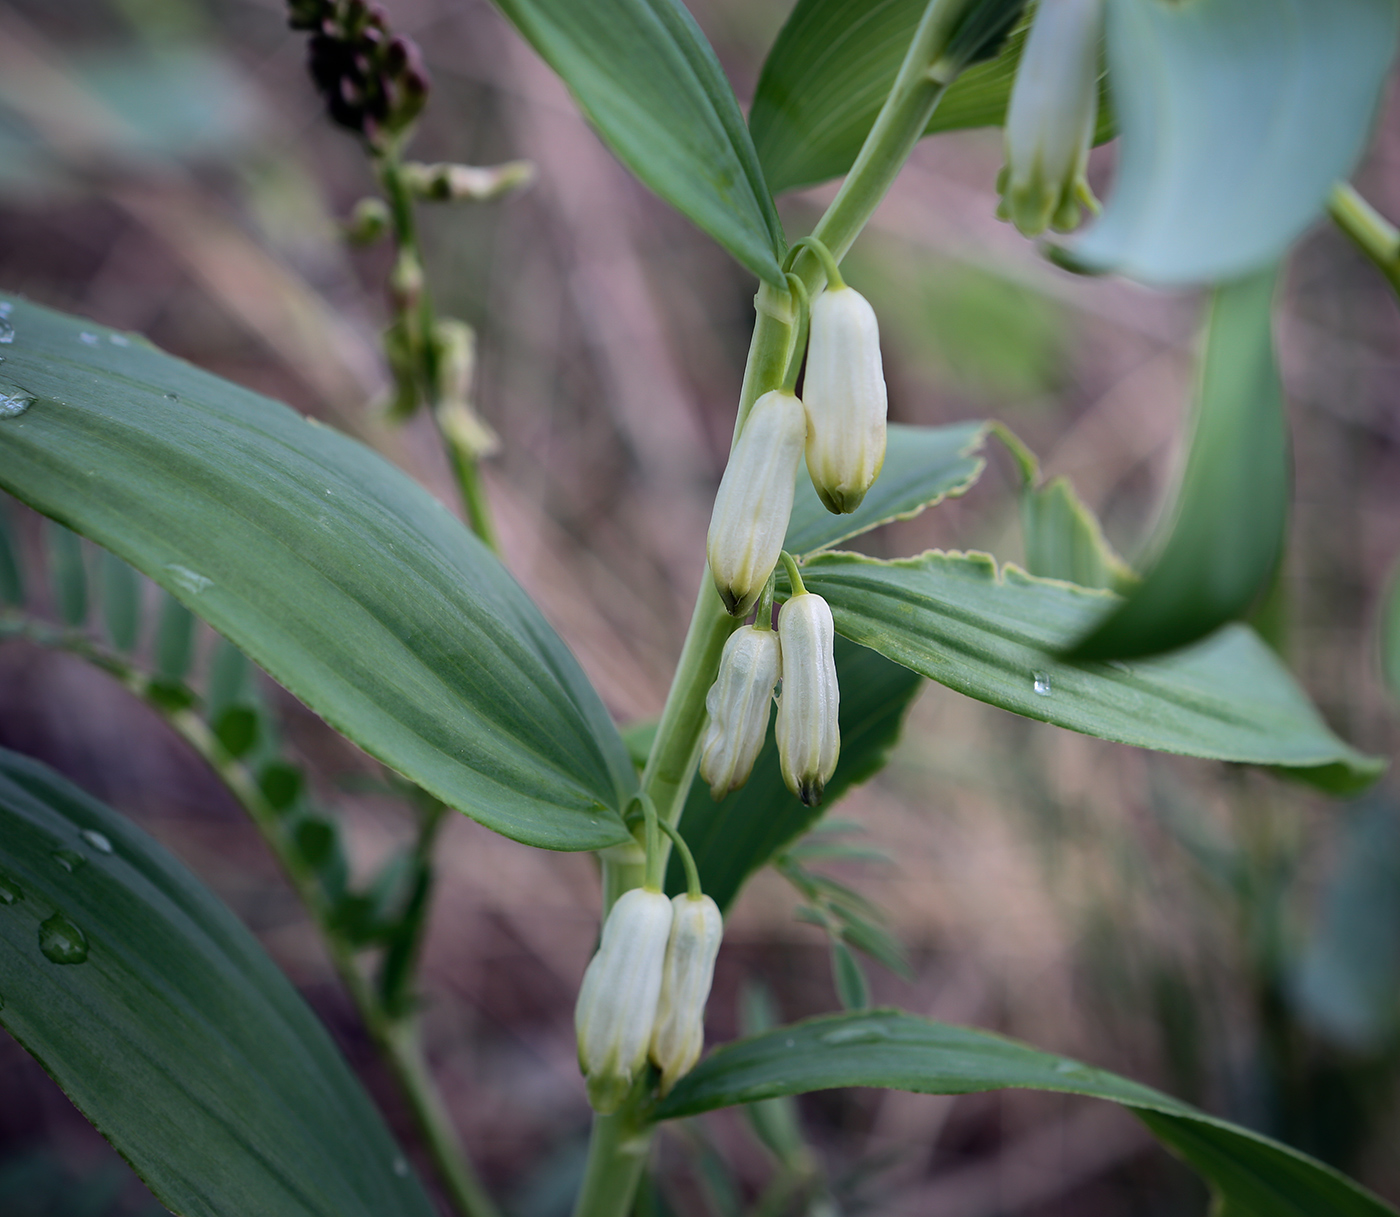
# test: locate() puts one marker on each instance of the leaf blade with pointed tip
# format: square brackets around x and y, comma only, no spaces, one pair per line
[1226,531]
[176,1035]
[894,1050]
[330,569]
[923,466]
[996,636]
[1237,116]
[649,82]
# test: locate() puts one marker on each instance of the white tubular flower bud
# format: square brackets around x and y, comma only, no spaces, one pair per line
[696,929]
[845,398]
[809,737]
[755,500]
[1050,120]
[738,703]
[616,1011]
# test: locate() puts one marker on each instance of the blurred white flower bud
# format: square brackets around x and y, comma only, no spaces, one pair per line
[1050,120]
[809,737]
[696,929]
[616,1011]
[755,500]
[738,703]
[845,398]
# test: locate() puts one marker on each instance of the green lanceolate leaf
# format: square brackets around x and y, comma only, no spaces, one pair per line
[1237,116]
[829,73]
[739,835]
[1226,532]
[169,1027]
[121,602]
[923,466]
[67,574]
[174,650]
[332,570]
[1250,1173]
[997,637]
[1064,540]
[649,82]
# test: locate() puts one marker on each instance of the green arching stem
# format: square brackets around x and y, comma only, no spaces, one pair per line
[692,873]
[617,1150]
[1376,236]
[396,1038]
[790,565]
[420,323]
[656,857]
[833,273]
[799,344]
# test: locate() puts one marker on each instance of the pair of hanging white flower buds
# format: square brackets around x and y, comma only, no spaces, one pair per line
[840,422]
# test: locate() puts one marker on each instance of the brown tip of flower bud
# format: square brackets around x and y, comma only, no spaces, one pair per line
[810,791]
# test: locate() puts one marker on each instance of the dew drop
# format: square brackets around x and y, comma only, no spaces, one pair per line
[69,859]
[89,339]
[1119,666]
[7,330]
[859,1033]
[172,397]
[61,941]
[6,307]
[1040,682]
[1072,1067]
[98,840]
[10,891]
[189,580]
[400,1167]
[789,1044]
[14,401]
[119,340]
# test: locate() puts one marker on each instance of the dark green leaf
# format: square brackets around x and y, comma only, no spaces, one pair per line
[1253,1174]
[1225,535]
[121,602]
[1237,117]
[1390,635]
[829,73]
[852,988]
[67,574]
[774,1121]
[169,1027]
[328,567]
[11,573]
[738,835]
[237,729]
[649,82]
[174,640]
[996,637]
[229,681]
[923,466]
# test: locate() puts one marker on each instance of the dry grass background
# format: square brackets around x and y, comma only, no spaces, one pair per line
[1035,879]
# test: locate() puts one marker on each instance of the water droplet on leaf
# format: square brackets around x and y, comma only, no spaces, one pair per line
[859,1033]
[1040,682]
[89,339]
[172,397]
[10,891]
[61,941]
[69,859]
[99,841]
[7,330]
[119,340]
[400,1167]
[189,580]
[14,401]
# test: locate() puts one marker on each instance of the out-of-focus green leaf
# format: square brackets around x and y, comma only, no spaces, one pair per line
[1390,635]
[67,574]
[649,82]
[169,1027]
[174,641]
[923,466]
[1237,116]
[1252,1175]
[1348,980]
[997,637]
[1226,531]
[121,602]
[11,573]
[829,73]
[332,570]
[738,835]
[852,988]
